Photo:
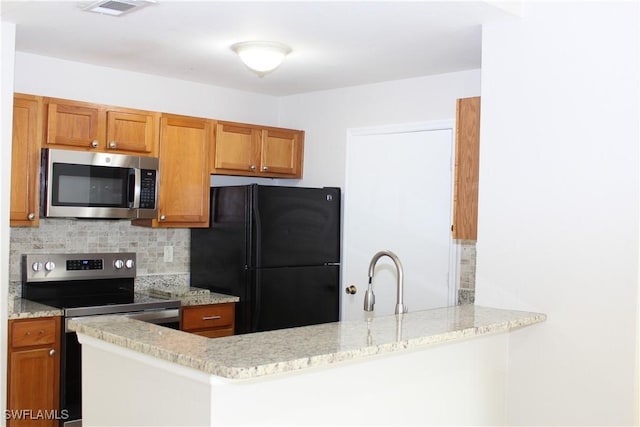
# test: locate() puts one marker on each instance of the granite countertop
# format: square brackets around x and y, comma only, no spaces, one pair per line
[286,350]
[210,298]
[191,296]
[20,308]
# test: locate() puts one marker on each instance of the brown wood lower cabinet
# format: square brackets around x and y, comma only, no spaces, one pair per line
[33,372]
[212,320]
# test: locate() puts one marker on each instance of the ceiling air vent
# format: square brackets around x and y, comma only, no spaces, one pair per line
[117,7]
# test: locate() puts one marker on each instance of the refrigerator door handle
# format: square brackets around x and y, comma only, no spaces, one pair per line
[255,316]
[258,230]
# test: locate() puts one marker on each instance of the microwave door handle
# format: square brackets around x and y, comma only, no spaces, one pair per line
[134,188]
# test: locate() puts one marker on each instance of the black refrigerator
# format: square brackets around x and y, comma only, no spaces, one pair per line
[277,248]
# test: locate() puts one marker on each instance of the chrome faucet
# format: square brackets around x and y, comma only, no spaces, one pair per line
[370,298]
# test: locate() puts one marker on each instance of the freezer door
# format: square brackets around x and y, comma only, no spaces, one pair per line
[299,296]
[295,226]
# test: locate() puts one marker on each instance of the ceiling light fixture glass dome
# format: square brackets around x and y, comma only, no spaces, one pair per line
[261,57]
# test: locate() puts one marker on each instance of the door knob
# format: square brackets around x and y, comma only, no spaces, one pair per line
[95,143]
[351,290]
[52,352]
[113,145]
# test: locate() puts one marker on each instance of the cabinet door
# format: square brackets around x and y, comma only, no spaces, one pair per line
[236,149]
[33,385]
[132,132]
[74,125]
[282,152]
[184,178]
[25,160]
[465,197]
[33,372]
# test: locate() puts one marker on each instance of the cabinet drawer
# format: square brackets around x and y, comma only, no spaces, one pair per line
[214,316]
[32,332]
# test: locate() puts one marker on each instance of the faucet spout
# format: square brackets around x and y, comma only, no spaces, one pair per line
[369,297]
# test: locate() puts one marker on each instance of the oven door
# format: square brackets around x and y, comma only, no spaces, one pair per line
[71,379]
[169,318]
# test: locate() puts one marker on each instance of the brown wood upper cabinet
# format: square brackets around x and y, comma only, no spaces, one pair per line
[251,150]
[183,198]
[95,127]
[465,200]
[189,149]
[34,370]
[25,160]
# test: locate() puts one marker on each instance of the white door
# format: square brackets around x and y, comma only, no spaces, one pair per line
[398,197]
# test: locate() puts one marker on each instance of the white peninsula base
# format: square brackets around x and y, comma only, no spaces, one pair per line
[460,383]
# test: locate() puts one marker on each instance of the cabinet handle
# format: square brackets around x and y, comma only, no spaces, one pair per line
[95,143]
[163,217]
[211,317]
[351,290]
[31,216]
[113,144]
[252,168]
[52,352]
[265,168]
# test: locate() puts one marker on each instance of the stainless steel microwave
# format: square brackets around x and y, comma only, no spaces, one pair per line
[80,184]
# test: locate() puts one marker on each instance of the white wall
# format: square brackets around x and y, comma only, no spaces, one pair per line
[440,385]
[47,76]
[558,215]
[6,120]
[326,116]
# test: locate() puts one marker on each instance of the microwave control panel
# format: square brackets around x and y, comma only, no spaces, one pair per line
[148,189]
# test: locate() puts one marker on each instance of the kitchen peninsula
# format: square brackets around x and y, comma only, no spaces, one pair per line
[427,367]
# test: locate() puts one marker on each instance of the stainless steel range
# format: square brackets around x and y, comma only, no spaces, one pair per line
[89,285]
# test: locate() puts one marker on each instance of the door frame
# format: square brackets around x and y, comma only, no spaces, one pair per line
[434,125]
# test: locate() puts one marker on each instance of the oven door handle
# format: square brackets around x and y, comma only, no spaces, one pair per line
[158,317]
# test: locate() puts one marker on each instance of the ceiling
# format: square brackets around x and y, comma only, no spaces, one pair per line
[334,43]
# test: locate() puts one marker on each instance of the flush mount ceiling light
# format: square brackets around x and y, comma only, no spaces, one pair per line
[261,57]
[117,7]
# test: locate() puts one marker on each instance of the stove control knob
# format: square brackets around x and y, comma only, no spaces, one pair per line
[36,266]
[129,263]
[118,264]
[49,265]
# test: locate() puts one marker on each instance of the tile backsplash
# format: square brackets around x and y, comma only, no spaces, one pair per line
[69,236]
[467,290]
